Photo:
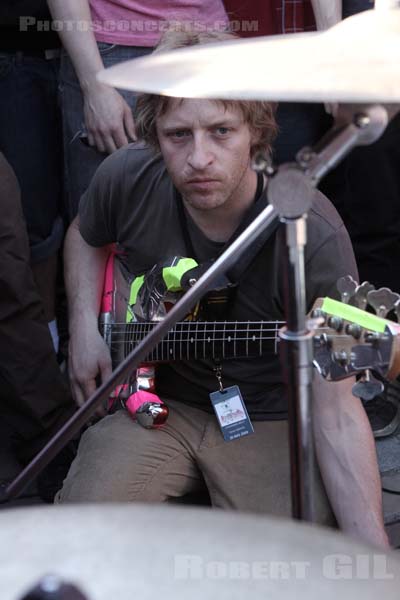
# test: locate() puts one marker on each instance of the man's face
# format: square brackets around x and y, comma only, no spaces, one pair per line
[206,149]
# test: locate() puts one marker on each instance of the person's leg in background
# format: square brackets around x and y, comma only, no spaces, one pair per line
[35,400]
[300,125]
[31,140]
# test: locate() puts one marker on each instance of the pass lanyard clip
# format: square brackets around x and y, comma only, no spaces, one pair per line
[218,375]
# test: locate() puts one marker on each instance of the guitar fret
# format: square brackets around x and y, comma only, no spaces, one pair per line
[155,354]
[126,341]
[223,340]
[129,342]
[276,339]
[152,352]
[261,328]
[234,340]
[196,337]
[213,340]
[247,338]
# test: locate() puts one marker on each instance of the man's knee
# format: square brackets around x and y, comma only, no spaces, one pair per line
[120,461]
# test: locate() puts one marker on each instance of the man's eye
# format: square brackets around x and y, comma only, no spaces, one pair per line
[179,134]
[222,130]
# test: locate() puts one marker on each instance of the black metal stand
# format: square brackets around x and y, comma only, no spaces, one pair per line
[290,192]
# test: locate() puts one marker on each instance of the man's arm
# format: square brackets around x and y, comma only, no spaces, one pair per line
[347,458]
[89,355]
[108,117]
[327,13]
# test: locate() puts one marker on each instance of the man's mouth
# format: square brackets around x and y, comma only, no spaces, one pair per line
[202,180]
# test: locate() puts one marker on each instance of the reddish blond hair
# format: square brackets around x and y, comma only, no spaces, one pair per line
[149,107]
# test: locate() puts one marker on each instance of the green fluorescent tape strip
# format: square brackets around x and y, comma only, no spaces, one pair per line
[354,315]
[135,289]
[172,275]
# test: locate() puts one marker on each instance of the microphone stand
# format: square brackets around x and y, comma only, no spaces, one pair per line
[290,191]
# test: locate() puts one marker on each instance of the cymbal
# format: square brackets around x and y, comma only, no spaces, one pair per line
[135,551]
[357,60]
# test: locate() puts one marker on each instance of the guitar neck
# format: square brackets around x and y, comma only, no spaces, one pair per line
[196,340]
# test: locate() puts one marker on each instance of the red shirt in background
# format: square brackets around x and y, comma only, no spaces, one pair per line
[273,16]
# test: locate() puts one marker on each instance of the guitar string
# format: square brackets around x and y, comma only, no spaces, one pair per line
[131,334]
[209,339]
[225,335]
[210,327]
[193,323]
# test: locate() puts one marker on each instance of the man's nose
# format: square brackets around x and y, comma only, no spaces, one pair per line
[201,155]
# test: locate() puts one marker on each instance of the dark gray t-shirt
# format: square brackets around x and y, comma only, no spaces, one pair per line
[132,201]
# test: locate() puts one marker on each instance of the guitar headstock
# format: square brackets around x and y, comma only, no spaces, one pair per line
[349,340]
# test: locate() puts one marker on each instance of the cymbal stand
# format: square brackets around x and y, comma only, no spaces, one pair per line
[291,191]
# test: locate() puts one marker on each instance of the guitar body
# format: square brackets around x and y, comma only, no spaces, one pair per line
[132,305]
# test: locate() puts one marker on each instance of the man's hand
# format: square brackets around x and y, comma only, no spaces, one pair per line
[108,118]
[89,357]
[84,276]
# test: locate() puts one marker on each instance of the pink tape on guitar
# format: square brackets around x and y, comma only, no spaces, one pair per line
[108,286]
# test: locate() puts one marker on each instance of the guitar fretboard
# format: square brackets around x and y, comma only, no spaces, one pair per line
[194,340]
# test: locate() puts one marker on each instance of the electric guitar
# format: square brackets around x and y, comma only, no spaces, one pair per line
[347,339]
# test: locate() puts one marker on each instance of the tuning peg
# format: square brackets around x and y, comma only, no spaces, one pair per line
[367,387]
[335,323]
[354,330]
[360,296]
[382,300]
[346,287]
[397,309]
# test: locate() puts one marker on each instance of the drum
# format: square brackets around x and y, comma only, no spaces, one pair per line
[129,552]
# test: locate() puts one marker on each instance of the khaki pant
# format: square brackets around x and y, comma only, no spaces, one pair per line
[118,460]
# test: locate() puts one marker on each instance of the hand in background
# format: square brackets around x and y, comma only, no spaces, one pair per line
[108,119]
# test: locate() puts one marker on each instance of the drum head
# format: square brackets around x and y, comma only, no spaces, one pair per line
[124,552]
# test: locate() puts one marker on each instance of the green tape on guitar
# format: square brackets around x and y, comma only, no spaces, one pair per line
[354,315]
[135,288]
[172,275]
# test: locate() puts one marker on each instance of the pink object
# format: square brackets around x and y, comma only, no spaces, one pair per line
[108,286]
[142,22]
[138,398]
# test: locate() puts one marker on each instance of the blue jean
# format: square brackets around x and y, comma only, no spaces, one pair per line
[81,161]
[31,140]
[351,7]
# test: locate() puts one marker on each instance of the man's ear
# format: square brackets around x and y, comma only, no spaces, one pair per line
[255,139]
